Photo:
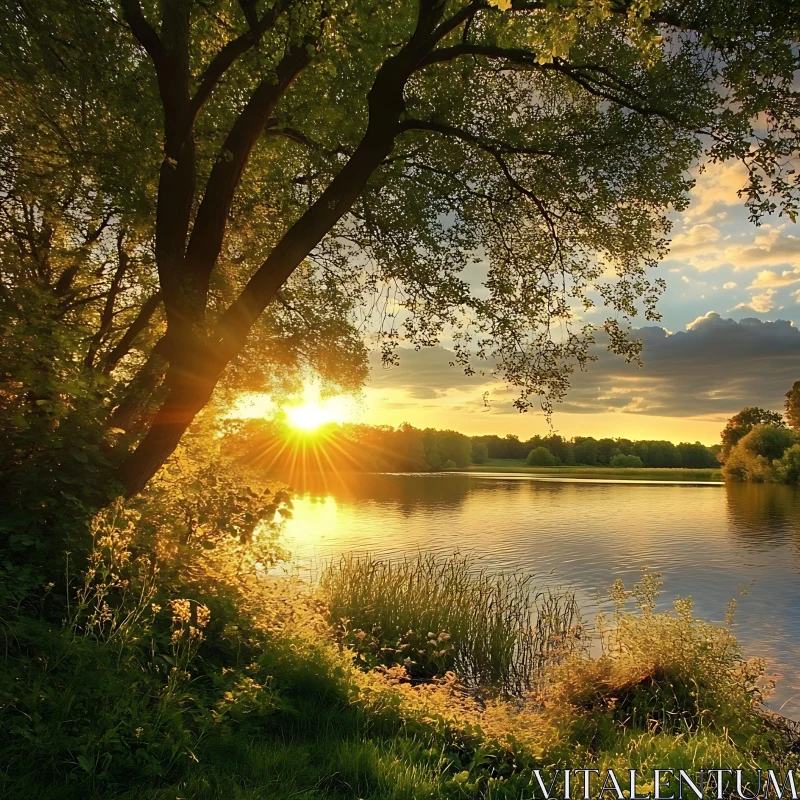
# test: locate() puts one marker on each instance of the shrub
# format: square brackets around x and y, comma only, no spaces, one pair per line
[540,457]
[789,468]
[668,670]
[433,616]
[621,460]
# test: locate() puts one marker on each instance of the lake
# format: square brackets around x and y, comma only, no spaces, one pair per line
[713,542]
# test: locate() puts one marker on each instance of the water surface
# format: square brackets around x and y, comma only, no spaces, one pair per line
[713,542]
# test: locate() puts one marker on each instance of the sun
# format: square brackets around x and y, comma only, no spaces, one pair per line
[314,411]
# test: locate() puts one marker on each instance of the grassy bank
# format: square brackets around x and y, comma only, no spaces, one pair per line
[423,678]
[516,466]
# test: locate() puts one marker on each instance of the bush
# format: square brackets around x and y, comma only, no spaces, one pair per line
[668,669]
[621,460]
[433,616]
[789,468]
[540,457]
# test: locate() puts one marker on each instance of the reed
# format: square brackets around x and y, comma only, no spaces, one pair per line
[435,615]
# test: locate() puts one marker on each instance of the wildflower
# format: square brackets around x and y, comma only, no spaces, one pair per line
[138,732]
[181,610]
[203,615]
[156,608]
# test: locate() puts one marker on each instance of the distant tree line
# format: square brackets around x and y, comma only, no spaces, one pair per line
[410,449]
[756,445]
[555,450]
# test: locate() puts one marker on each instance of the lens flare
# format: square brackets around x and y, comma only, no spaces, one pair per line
[314,411]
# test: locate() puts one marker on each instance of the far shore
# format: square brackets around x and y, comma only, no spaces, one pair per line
[514,465]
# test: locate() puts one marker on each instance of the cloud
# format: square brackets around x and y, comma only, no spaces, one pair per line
[769,278]
[425,374]
[729,285]
[706,247]
[694,240]
[760,303]
[712,369]
[717,186]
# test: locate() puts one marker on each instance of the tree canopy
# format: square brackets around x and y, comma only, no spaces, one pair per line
[793,406]
[197,196]
[739,425]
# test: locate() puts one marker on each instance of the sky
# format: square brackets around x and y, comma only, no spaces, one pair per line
[728,338]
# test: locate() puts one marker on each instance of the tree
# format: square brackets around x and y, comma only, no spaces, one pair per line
[456,447]
[479,453]
[757,455]
[741,424]
[696,456]
[793,406]
[540,457]
[559,447]
[586,451]
[258,158]
[789,468]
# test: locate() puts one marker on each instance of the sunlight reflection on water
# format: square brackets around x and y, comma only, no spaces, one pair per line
[712,542]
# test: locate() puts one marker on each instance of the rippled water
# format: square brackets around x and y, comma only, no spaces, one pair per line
[712,542]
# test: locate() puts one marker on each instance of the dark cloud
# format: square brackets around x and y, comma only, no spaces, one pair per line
[715,367]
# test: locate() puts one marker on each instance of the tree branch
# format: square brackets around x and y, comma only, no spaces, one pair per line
[230,52]
[471,138]
[144,32]
[528,59]
[140,322]
[205,241]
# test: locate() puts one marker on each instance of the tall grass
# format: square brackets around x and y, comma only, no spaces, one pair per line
[437,615]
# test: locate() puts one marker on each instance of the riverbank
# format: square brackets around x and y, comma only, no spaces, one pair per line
[282,693]
[518,466]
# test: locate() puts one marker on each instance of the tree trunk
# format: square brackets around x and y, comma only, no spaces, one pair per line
[185,399]
[195,365]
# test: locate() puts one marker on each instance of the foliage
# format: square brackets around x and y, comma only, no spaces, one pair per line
[479,453]
[51,428]
[671,672]
[742,423]
[765,454]
[434,616]
[788,471]
[792,413]
[621,460]
[540,457]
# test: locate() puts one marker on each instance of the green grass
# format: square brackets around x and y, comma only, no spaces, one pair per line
[517,465]
[436,615]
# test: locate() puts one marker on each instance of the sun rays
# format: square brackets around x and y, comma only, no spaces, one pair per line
[314,411]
